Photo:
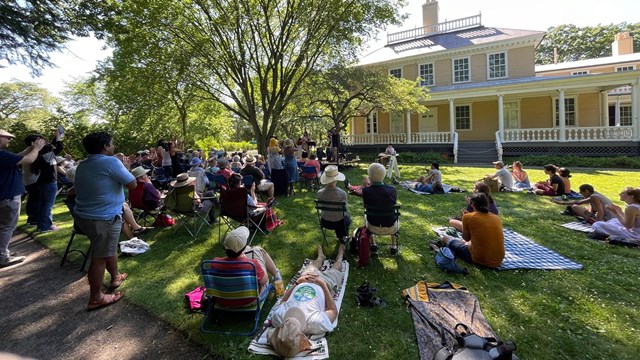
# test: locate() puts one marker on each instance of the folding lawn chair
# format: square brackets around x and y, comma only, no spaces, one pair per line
[309,182]
[333,206]
[280,180]
[392,212]
[70,201]
[234,208]
[182,206]
[142,214]
[159,179]
[232,287]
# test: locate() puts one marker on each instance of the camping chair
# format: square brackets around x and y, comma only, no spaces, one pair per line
[386,211]
[141,212]
[334,206]
[182,206]
[309,182]
[70,201]
[220,181]
[234,208]
[280,180]
[232,287]
[213,185]
[159,178]
[247,180]
[266,172]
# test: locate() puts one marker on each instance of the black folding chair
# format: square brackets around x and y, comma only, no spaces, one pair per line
[70,201]
[333,206]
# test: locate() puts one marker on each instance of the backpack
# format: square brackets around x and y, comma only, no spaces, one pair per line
[446,261]
[164,220]
[360,243]
[196,300]
[471,346]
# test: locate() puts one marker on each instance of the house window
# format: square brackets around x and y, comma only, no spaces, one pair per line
[511,111]
[580,72]
[463,117]
[426,74]
[397,73]
[372,123]
[569,112]
[497,65]
[461,71]
[396,123]
[625,115]
[625,68]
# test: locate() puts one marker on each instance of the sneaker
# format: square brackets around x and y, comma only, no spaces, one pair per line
[12,260]
[346,183]
[51,229]
[373,249]
[393,250]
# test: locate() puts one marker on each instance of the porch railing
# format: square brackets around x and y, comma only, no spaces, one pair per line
[572,134]
[416,138]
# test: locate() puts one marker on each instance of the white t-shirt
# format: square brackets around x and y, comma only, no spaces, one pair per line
[310,299]
[437,176]
[505,178]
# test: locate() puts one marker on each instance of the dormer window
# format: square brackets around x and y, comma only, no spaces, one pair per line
[397,73]
[425,71]
[461,70]
[497,65]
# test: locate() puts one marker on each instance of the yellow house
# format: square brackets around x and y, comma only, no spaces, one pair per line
[488,98]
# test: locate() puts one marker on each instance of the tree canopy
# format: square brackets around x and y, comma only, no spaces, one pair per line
[580,43]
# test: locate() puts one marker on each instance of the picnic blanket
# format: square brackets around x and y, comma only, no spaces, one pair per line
[578,226]
[410,185]
[520,252]
[437,309]
[260,345]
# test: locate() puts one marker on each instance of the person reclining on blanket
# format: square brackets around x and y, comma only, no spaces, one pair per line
[357,189]
[482,240]
[307,308]
[624,224]
[236,248]
[479,187]
[503,175]
[432,183]
[596,211]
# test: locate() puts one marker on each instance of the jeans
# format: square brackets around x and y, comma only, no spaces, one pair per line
[48,198]
[9,213]
[459,249]
[424,188]
[33,203]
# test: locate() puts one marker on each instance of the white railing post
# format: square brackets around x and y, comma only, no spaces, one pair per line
[500,117]
[452,118]
[561,117]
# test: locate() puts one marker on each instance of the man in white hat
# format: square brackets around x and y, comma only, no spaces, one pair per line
[307,308]
[380,195]
[11,190]
[334,220]
[250,168]
[236,248]
[503,175]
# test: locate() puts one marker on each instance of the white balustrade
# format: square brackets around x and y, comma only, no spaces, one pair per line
[573,134]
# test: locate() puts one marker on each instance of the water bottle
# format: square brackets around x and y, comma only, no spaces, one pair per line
[277,282]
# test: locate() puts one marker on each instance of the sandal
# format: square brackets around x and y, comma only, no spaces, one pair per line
[141,230]
[117,281]
[107,299]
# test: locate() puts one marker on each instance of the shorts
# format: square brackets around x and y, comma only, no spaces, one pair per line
[381,230]
[103,235]
[264,185]
[333,277]
[259,254]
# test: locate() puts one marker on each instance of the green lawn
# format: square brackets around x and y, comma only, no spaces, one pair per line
[587,314]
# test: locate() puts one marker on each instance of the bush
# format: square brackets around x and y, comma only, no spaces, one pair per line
[229,146]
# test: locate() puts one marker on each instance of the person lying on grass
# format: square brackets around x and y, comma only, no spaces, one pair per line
[596,209]
[357,189]
[432,182]
[307,308]
[625,224]
[482,240]
[479,187]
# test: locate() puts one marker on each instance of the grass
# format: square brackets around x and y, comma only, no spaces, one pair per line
[588,314]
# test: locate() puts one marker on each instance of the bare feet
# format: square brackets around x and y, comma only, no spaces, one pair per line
[321,255]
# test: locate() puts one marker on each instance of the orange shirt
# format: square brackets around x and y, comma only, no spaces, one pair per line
[487,239]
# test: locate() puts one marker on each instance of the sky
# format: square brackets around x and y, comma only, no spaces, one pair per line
[80,56]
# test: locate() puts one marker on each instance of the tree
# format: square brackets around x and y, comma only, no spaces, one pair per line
[252,56]
[31,29]
[24,102]
[341,93]
[579,43]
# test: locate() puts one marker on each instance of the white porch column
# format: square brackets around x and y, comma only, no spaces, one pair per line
[618,110]
[562,121]
[604,108]
[408,127]
[452,118]
[501,116]
[371,128]
[635,101]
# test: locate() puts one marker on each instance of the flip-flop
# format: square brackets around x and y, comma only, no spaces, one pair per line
[107,299]
[141,230]
[117,282]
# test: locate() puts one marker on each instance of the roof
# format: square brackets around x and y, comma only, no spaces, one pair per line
[609,60]
[434,44]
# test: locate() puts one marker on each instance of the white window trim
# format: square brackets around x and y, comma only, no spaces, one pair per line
[580,72]
[401,74]
[433,74]
[517,101]
[453,70]
[619,68]
[553,111]
[470,117]
[630,113]
[373,115]
[402,118]
[506,65]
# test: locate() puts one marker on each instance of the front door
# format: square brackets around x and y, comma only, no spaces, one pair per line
[428,121]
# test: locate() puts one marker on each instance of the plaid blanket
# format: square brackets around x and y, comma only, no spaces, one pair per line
[260,345]
[578,226]
[410,185]
[523,253]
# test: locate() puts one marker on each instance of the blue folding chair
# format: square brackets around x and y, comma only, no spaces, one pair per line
[220,180]
[247,180]
[159,179]
[309,182]
[232,287]
[267,173]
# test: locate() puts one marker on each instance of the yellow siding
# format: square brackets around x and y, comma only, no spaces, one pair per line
[478,67]
[536,112]
[359,125]
[521,62]
[484,121]
[383,123]
[589,109]
[410,72]
[443,72]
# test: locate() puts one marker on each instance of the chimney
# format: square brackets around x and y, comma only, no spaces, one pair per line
[430,13]
[622,45]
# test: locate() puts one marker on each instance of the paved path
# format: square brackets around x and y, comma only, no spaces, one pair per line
[43,316]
